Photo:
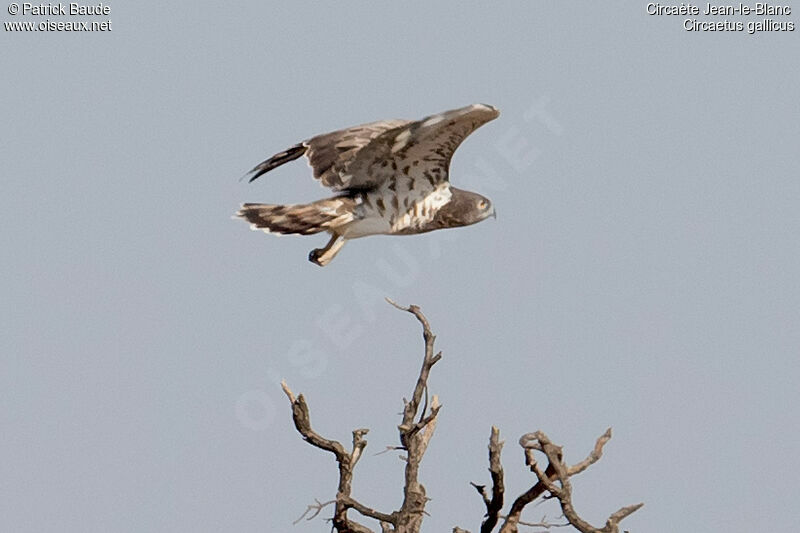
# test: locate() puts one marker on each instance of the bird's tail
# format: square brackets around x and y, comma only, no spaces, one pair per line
[305,219]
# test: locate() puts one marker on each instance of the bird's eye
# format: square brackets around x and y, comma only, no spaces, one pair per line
[482,204]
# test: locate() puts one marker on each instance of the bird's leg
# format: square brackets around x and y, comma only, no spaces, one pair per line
[323,256]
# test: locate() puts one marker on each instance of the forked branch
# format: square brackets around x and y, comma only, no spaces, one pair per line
[346,460]
[561,487]
[555,480]
[416,429]
[414,436]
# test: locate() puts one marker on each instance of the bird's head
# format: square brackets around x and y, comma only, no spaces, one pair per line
[463,209]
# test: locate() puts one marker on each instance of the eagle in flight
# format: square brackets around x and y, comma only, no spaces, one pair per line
[391,178]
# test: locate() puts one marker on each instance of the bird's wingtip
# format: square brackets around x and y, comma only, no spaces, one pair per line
[487,107]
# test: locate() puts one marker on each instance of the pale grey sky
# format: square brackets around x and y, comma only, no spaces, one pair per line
[642,272]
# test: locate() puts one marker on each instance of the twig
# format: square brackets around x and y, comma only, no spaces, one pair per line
[593,457]
[389,449]
[482,491]
[316,507]
[543,524]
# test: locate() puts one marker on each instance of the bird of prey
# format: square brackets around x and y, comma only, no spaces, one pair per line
[391,178]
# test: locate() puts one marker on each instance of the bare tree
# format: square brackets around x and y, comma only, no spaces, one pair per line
[416,429]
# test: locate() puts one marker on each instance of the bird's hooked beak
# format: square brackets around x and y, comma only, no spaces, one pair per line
[494,213]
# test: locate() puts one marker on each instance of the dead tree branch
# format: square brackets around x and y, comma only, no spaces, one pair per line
[316,507]
[553,480]
[416,428]
[414,437]
[556,480]
[346,460]
[494,504]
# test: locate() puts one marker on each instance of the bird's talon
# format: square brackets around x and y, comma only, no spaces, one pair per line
[314,255]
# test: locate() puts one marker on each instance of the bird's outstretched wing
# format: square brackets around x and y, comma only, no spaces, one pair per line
[365,156]
[424,147]
[329,154]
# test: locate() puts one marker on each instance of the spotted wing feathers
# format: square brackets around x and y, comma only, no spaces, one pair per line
[426,146]
[365,156]
[330,154]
